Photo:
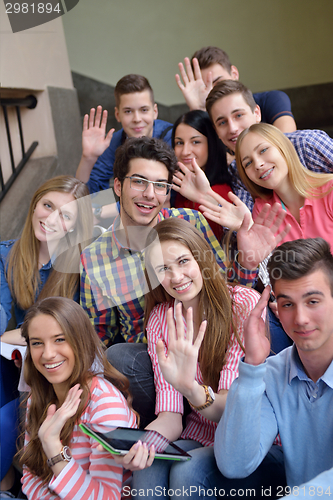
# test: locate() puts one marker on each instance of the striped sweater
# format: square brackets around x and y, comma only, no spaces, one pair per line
[197,427]
[90,474]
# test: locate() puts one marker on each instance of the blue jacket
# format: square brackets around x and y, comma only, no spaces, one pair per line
[6,298]
[102,171]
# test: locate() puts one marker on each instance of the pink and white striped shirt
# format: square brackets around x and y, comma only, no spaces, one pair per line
[197,427]
[91,474]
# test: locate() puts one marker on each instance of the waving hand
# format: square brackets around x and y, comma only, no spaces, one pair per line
[194,89]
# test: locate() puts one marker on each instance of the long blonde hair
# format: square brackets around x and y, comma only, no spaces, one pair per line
[23,274]
[215,303]
[304,181]
[89,355]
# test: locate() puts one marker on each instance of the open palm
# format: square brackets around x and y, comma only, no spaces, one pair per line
[179,367]
[191,183]
[94,140]
[256,242]
[193,88]
[230,215]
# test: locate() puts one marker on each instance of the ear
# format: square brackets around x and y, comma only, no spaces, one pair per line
[116,114]
[257,113]
[155,111]
[117,186]
[234,73]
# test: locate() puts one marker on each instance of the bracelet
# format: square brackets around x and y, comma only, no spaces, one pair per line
[65,455]
[98,212]
[210,398]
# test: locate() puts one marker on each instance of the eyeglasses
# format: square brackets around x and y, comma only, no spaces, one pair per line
[162,188]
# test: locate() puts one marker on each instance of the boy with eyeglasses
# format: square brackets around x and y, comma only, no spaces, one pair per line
[112,275]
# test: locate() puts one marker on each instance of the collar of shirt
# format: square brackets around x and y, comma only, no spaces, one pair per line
[297,370]
[47,266]
[307,202]
[233,167]
[276,199]
[117,247]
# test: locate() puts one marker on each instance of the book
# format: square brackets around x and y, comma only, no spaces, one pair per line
[10,351]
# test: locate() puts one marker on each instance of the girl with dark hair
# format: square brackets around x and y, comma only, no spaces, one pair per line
[196,354]
[71,382]
[194,139]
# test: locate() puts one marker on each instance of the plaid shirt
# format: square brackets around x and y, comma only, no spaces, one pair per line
[314,149]
[113,284]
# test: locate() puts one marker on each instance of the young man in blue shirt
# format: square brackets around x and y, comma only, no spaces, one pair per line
[232,108]
[210,65]
[137,112]
[290,394]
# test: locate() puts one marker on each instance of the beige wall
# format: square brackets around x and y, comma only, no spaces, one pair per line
[274,43]
[30,61]
[34,58]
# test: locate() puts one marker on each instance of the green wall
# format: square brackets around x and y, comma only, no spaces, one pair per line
[274,43]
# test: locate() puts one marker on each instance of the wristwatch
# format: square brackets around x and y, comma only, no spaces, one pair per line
[65,455]
[98,211]
[210,398]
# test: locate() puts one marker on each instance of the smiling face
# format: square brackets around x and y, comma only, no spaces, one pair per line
[50,352]
[136,113]
[140,208]
[263,163]
[305,310]
[230,116]
[178,272]
[55,214]
[189,143]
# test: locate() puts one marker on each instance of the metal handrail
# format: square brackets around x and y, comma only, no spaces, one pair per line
[29,102]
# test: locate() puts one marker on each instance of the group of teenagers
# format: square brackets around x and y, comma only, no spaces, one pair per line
[158,323]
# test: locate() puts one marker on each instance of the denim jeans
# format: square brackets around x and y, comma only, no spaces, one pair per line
[9,430]
[133,361]
[199,477]
[156,480]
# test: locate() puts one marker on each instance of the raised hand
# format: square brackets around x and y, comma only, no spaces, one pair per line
[191,183]
[49,431]
[256,242]
[94,140]
[257,345]
[194,89]
[179,367]
[226,214]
